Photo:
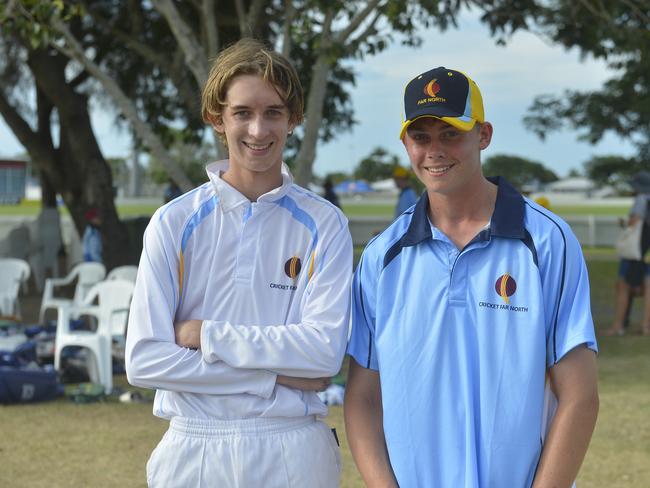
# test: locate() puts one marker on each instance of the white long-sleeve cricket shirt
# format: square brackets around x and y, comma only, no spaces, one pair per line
[271,281]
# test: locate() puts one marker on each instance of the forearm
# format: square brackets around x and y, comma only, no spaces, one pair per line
[163,365]
[364,428]
[566,444]
[574,382]
[301,350]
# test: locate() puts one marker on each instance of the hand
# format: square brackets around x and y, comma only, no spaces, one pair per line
[188,333]
[306,384]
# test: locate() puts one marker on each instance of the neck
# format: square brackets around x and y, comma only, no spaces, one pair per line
[251,184]
[462,215]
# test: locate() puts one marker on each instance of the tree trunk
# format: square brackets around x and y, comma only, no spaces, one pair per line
[48,192]
[313,118]
[77,169]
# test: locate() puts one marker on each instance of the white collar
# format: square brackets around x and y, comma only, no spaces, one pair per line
[230,197]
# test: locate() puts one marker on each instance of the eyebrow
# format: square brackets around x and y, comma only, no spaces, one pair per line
[240,107]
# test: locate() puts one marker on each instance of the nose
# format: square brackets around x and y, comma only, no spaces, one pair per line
[258,127]
[435,151]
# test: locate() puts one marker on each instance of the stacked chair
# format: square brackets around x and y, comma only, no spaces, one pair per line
[113,299]
[86,274]
[14,273]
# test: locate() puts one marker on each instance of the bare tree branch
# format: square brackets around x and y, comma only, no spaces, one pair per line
[209,16]
[370,28]
[195,57]
[356,21]
[241,17]
[9,7]
[254,14]
[16,123]
[289,13]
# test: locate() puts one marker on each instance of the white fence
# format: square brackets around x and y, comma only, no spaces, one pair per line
[591,230]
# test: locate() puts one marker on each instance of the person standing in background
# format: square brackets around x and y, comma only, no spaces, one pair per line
[633,275]
[407,196]
[91,242]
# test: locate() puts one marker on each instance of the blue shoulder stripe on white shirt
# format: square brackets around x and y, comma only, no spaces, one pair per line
[202,212]
[300,215]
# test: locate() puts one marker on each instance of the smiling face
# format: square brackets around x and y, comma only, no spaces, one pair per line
[446,159]
[255,123]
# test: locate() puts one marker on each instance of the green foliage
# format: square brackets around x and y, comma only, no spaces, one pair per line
[191,157]
[517,170]
[614,170]
[378,165]
[618,33]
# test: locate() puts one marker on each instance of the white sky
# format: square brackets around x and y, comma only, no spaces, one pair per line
[509,78]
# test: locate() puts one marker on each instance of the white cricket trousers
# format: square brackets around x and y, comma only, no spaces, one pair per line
[250,453]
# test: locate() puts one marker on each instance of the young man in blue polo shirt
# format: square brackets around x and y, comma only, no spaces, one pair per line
[463,310]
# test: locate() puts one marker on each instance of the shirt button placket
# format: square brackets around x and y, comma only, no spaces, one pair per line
[246,250]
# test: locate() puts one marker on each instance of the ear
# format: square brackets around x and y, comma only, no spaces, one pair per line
[485,135]
[217,124]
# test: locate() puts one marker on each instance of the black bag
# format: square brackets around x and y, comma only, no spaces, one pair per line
[24,384]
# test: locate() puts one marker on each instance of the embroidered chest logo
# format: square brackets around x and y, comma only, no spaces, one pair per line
[292,267]
[505,286]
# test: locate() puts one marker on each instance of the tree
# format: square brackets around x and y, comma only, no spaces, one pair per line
[517,170]
[378,165]
[149,59]
[617,32]
[614,170]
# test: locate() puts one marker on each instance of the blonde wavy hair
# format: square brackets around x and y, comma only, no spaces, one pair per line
[251,57]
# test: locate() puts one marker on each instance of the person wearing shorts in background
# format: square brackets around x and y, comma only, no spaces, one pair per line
[634,276]
[241,306]
[461,310]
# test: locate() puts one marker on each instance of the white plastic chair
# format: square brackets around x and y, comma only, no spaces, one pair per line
[111,313]
[13,273]
[86,274]
[128,273]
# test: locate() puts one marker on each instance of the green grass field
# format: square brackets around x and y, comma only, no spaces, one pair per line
[61,444]
[353,209]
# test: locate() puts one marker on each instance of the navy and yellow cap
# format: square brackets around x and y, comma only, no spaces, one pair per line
[444,94]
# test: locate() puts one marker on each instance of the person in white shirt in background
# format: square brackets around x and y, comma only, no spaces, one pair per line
[241,306]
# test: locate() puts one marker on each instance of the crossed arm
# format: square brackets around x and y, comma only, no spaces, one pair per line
[188,334]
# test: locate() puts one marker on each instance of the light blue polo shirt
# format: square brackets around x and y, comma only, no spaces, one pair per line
[463,339]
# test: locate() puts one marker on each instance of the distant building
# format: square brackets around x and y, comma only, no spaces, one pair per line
[12,181]
[576,185]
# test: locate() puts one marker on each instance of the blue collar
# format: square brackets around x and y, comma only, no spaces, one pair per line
[507,220]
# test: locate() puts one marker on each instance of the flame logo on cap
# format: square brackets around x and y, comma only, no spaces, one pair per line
[432,88]
[505,286]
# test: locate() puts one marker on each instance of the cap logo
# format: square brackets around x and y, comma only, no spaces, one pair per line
[505,286]
[432,88]
[292,267]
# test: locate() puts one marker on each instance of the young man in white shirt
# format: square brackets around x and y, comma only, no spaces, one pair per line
[240,311]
